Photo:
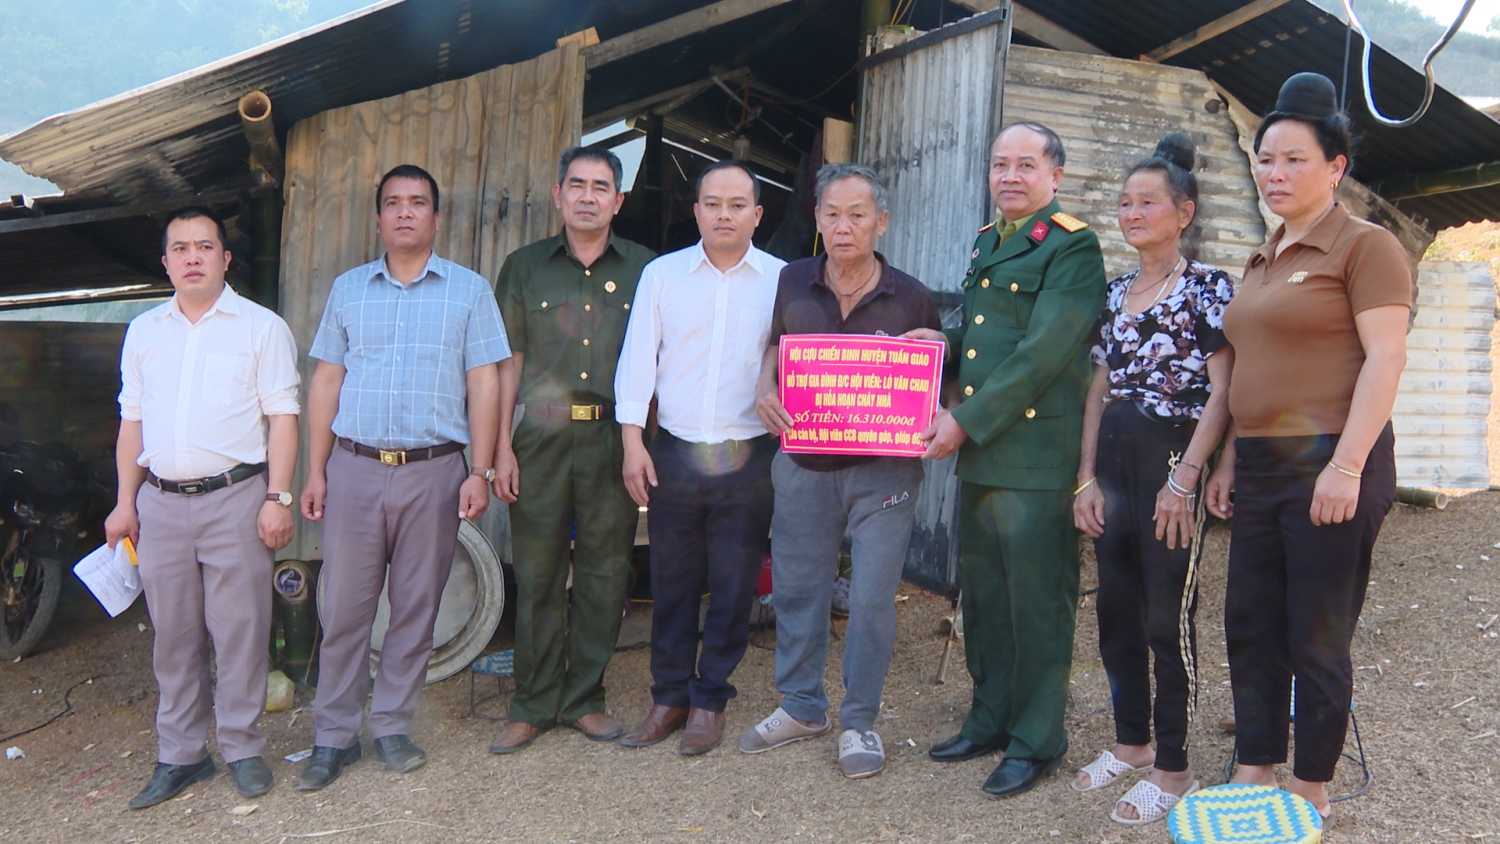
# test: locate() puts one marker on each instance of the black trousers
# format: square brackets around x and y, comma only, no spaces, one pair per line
[1148,595]
[710,526]
[1295,593]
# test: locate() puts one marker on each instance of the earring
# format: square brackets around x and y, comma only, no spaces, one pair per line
[1333,185]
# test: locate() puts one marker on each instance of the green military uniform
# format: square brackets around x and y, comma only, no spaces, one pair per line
[569,322]
[1029,304]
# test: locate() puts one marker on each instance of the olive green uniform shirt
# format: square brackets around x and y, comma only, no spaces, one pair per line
[1023,368]
[569,320]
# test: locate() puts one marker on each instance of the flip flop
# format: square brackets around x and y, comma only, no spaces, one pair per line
[1150,802]
[1105,770]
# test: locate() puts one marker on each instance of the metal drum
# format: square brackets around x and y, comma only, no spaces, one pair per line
[468,612]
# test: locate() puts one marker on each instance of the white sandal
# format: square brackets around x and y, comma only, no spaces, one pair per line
[1104,770]
[1150,802]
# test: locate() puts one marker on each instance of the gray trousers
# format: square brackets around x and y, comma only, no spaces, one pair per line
[382,525]
[875,503]
[207,575]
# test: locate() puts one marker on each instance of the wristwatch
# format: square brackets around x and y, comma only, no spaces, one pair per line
[487,474]
[283,498]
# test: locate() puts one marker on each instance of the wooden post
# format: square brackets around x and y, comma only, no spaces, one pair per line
[838,141]
[656,228]
[265,249]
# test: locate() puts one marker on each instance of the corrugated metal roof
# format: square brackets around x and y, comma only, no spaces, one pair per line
[1252,60]
[182,135]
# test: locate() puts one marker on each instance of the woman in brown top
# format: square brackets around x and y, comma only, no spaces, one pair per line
[1318,327]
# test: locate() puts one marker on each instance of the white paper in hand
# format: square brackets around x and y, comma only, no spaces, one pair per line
[110,576]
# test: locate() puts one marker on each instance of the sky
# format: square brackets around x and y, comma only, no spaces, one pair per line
[1446,10]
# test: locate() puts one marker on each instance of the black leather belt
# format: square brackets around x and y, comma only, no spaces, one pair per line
[396,456]
[575,412]
[199,486]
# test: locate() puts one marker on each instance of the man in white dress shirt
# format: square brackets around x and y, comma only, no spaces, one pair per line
[204,491]
[700,324]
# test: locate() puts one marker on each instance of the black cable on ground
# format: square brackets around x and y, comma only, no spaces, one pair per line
[1362,762]
[67,709]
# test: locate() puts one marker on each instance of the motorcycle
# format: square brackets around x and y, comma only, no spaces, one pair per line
[51,505]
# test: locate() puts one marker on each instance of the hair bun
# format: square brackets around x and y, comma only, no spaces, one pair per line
[1308,95]
[1178,148]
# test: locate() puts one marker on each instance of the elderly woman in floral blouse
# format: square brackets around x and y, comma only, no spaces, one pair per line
[1155,413]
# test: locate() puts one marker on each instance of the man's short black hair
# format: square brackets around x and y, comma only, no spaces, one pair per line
[1052,145]
[603,156]
[194,212]
[406,171]
[725,164]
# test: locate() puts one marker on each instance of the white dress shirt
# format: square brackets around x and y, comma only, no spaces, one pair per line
[695,341]
[202,391]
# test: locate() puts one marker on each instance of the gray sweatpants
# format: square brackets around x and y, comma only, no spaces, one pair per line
[875,503]
[207,576]
[382,525]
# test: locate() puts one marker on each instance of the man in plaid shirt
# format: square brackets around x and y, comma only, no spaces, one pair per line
[406,378]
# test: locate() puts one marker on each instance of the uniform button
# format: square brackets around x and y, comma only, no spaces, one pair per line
[544,305]
[972,353]
[979,319]
[1030,413]
[609,287]
[984,282]
[1014,287]
[627,306]
[968,391]
[588,272]
[585,341]
[583,375]
[588,307]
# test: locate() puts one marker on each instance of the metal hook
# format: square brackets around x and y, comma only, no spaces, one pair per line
[1359,27]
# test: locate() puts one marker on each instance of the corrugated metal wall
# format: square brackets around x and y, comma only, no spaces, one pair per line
[1110,113]
[924,125]
[1444,402]
[492,142]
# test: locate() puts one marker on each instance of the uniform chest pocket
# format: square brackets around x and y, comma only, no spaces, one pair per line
[1022,287]
[227,380]
[548,321]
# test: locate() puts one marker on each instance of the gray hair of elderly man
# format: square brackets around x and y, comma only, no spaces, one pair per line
[830,173]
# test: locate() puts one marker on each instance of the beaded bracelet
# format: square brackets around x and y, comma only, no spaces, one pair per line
[1343,471]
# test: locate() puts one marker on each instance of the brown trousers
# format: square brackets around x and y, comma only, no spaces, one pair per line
[207,574]
[382,525]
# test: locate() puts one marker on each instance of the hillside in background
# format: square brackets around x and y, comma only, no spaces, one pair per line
[1469,66]
[63,55]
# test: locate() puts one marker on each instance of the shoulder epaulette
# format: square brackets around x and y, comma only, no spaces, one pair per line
[1069,223]
[986,227]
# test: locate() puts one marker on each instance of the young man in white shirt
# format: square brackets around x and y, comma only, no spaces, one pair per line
[208,423]
[699,326]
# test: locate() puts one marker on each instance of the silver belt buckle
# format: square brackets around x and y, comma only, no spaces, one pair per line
[192,488]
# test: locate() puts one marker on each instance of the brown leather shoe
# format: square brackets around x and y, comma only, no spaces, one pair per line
[660,722]
[597,726]
[703,733]
[517,735]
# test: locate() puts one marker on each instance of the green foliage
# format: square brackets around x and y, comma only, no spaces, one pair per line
[1469,66]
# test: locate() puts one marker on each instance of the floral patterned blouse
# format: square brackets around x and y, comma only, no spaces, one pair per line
[1159,358]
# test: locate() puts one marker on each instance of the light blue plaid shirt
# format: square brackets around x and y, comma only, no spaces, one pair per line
[406,350]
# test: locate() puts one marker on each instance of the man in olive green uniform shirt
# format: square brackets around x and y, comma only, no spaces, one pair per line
[1032,294]
[566,301]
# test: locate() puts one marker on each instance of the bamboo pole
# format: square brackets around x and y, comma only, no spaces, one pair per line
[1422,497]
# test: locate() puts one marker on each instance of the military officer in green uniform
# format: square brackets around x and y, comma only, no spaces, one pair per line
[1032,294]
[566,301]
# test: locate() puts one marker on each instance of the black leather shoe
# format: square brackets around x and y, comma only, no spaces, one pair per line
[959,749]
[251,776]
[1018,776]
[168,781]
[325,765]
[399,754]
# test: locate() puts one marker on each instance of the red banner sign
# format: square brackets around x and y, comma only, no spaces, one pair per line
[858,393]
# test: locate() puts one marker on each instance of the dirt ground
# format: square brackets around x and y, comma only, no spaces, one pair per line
[1427,694]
